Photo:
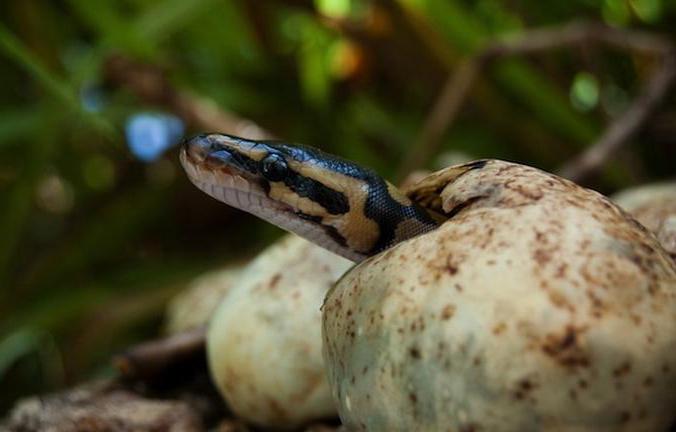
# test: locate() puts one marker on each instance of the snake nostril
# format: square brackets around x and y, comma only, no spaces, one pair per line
[199,147]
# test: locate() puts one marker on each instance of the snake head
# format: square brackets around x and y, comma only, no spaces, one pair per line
[335,203]
[287,185]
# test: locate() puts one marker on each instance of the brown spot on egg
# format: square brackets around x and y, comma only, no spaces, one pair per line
[499,328]
[559,300]
[524,388]
[566,348]
[276,408]
[447,312]
[622,370]
[274,281]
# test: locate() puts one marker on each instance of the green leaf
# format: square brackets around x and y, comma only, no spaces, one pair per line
[105,234]
[16,345]
[27,340]
[17,52]
[334,8]
[314,63]
[616,12]
[548,103]
[649,11]
[519,79]
[18,122]
[165,18]
[584,92]
[19,201]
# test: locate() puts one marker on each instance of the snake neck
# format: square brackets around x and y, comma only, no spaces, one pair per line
[332,202]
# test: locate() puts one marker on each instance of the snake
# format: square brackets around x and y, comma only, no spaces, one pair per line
[330,201]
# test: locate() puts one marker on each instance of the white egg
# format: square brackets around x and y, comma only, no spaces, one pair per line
[654,205]
[194,306]
[264,341]
[540,306]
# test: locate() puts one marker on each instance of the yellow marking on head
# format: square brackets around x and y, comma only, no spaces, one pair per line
[360,232]
[244,147]
[280,192]
[255,153]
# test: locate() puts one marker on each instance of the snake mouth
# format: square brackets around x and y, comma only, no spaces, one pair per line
[221,172]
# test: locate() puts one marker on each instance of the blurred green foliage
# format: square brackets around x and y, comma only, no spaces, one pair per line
[93,242]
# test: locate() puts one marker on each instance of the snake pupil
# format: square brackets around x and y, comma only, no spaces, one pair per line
[274,168]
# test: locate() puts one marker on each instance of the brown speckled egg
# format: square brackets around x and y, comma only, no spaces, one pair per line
[654,206]
[264,341]
[538,306]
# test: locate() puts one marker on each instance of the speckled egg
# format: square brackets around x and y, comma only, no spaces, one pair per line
[264,341]
[538,306]
[653,205]
[195,305]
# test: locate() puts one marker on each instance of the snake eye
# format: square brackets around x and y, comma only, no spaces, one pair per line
[274,168]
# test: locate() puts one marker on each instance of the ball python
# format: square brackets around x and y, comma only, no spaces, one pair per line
[335,203]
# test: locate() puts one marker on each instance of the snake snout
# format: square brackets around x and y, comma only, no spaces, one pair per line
[199,147]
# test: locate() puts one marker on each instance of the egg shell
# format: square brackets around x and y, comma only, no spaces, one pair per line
[264,341]
[539,306]
[654,205]
[194,306]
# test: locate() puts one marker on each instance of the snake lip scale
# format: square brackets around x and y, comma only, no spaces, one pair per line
[230,185]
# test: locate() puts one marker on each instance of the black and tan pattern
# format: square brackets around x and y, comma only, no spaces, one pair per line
[346,208]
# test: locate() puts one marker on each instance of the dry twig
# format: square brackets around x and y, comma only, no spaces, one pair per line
[151,85]
[150,359]
[458,85]
[100,407]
